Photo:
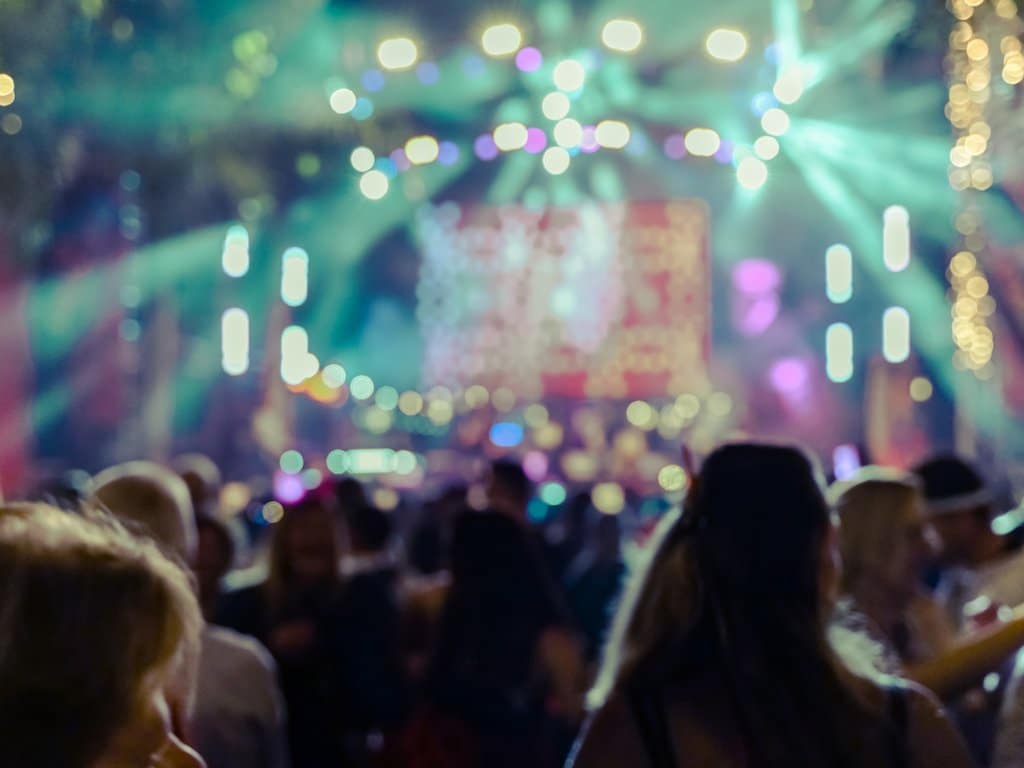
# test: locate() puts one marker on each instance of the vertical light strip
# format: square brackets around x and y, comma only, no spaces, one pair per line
[896,334]
[896,238]
[839,274]
[235,257]
[294,355]
[839,352]
[234,341]
[294,277]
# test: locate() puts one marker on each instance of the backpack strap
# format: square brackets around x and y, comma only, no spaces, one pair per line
[898,720]
[652,723]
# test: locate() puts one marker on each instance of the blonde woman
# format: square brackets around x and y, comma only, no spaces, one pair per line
[884,540]
[93,625]
[720,654]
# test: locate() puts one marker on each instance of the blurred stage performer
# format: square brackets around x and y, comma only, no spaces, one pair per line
[237,720]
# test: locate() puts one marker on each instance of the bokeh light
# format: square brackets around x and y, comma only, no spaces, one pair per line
[235,256]
[702,142]
[529,59]
[921,389]
[896,334]
[410,403]
[509,137]
[422,150]
[501,40]
[789,87]
[556,160]
[294,276]
[374,185]
[361,387]
[568,133]
[608,498]
[672,478]
[751,173]
[235,341]
[623,35]
[896,238]
[343,101]
[839,274]
[555,105]
[362,159]
[334,375]
[552,494]
[839,352]
[397,53]
[569,75]
[291,461]
[726,44]
[612,134]
[775,121]
[766,147]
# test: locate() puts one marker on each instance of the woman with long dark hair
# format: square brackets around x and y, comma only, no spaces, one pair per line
[506,666]
[721,652]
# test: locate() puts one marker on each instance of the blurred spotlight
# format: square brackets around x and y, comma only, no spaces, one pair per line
[726,44]
[569,75]
[501,40]
[397,53]
[343,101]
[374,185]
[362,159]
[623,35]
[751,173]
[612,134]
[555,161]
[555,105]
[509,137]
[775,121]
[766,147]
[702,142]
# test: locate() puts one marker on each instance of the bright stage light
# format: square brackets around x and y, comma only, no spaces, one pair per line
[702,142]
[509,137]
[291,462]
[751,173]
[896,334]
[896,238]
[397,53]
[608,498]
[612,134]
[672,478]
[501,40]
[775,121]
[569,75]
[234,341]
[766,147]
[297,364]
[726,44]
[362,387]
[568,133]
[6,84]
[334,375]
[374,185]
[921,389]
[362,159]
[839,352]
[555,105]
[343,101]
[294,277]
[623,35]
[422,150]
[838,274]
[789,87]
[235,257]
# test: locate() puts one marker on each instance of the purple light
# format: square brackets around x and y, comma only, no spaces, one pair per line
[790,375]
[589,142]
[398,157]
[288,488]
[755,277]
[724,153]
[428,73]
[529,60]
[485,147]
[373,80]
[448,153]
[675,147]
[845,461]
[536,141]
[535,465]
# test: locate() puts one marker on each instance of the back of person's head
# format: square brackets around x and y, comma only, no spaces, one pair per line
[736,588]
[305,548]
[369,528]
[875,509]
[92,624]
[150,500]
[509,489]
[951,485]
[348,494]
[203,479]
[500,601]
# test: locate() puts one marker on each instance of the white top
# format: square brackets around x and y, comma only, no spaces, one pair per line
[238,719]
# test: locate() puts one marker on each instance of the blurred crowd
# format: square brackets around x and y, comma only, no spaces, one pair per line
[769,619]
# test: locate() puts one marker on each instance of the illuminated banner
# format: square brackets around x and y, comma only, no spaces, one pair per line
[599,300]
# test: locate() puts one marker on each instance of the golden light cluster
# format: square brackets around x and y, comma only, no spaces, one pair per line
[978,44]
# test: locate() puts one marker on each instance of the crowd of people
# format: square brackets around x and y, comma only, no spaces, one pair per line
[771,620]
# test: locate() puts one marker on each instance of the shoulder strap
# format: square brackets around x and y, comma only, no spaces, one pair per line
[898,720]
[652,722]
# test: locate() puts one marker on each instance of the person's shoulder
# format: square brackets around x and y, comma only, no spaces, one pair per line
[235,649]
[931,736]
[609,737]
